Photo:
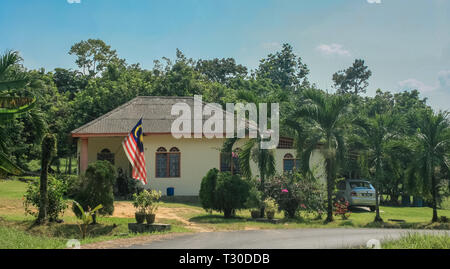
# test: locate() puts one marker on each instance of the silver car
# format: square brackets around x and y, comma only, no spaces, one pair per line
[358,192]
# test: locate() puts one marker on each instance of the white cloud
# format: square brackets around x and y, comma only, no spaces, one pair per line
[73,1]
[374,1]
[333,49]
[414,84]
[271,46]
[442,83]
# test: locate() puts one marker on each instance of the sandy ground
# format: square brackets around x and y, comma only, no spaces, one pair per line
[123,210]
[126,210]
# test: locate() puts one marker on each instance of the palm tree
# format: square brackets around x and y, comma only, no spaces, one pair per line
[433,147]
[251,150]
[11,106]
[326,114]
[378,131]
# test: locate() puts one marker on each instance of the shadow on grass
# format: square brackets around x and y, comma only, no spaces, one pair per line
[72,230]
[215,218]
[348,223]
[360,209]
[409,225]
[218,219]
[64,230]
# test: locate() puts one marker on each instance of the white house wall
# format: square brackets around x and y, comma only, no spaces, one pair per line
[197,157]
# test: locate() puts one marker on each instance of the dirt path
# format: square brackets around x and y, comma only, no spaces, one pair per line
[128,242]
[126,210]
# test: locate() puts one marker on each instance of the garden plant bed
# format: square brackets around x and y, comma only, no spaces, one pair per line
[148,228]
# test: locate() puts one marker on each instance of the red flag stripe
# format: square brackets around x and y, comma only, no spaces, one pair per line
[141,160]
[137,162]
[130,145]
[140,156]
[134,164]
[134,150]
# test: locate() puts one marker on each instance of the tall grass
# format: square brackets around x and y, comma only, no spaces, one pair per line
[11,238]
[419,241]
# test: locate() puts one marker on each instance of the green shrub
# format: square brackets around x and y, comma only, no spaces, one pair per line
[270,205]
[254,199]
[230,194]
[96,187]
[72,182]
[207,189]
[126,186]
[56,203]
[223,192]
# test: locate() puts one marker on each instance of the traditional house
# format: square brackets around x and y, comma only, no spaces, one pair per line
[170,162]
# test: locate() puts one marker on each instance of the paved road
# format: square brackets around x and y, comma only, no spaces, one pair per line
[280,239]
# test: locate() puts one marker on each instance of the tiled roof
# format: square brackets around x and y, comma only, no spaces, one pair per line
[154,110]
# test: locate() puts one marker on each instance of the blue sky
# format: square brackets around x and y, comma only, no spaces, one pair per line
[406,43]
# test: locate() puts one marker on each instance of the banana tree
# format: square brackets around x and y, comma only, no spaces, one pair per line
[10,106]
[86,218]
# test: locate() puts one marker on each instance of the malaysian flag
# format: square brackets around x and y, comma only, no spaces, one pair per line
[134,149]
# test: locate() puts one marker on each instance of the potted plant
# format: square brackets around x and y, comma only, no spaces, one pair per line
[140,203]
[254,203]
[270,207]
[146,203]
[152,198]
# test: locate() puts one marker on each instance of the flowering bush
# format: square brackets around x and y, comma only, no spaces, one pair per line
[341,209]
[295,191]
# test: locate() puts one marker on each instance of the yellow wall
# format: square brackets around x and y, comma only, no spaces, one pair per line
[197,157]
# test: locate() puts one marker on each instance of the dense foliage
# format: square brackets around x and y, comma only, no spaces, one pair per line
[296,192]
[56,202]
[224,192]
[207,189]
[96,187]
[230,194]
[357,133]
[48,151]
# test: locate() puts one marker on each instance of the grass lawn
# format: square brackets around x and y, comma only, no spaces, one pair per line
[17,230]
[418,218]
[419,241]
[35,165]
